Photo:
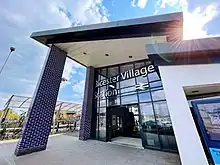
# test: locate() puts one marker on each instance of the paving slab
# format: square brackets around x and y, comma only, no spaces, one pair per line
[68,150]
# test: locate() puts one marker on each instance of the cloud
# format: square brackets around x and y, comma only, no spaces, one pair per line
[69,70]
[142,3]
[133,3]
[139,3]
[194,21]
[79,87]
[164,3]
[160,4]
[17,23]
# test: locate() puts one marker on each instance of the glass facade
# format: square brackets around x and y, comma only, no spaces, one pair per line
[132,85]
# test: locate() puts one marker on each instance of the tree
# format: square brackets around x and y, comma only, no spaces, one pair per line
[11,115]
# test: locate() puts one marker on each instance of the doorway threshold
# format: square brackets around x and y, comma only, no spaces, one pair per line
[127,142]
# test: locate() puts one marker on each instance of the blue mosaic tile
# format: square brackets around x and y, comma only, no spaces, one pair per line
[38,122]
[86,117]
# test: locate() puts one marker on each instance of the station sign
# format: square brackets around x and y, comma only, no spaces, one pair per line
[126,75]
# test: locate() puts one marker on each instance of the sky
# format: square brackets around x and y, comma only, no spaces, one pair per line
[18,19]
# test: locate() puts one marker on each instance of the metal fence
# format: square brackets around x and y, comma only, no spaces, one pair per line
[66,117]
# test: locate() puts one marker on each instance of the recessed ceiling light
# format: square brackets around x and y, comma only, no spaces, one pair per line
[130,56]
[84,53]
[106,54]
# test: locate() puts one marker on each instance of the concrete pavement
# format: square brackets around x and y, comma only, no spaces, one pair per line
[68,150]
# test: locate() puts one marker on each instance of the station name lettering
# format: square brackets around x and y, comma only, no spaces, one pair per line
[127,75]
[108,93]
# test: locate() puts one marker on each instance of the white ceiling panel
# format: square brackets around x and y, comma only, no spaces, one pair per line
[92,53]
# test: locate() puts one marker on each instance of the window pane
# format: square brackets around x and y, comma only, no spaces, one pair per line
[139,65]
[102,110]
[102,126]
[129,99]
[164,123]
[97,127]
[103,103]
[129,93]
[149,125]
[113,71]
[144,97]
[113,86]
[126,67]
[158,95]
[147,112]
[133,108]
[141,79]
[162,116]
[153,76]
[126,83]
[102,89]
[103,74]
[113,100]
[97,104]
[129,89]
[156,84]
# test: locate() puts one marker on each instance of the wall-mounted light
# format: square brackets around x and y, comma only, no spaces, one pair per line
[107,55]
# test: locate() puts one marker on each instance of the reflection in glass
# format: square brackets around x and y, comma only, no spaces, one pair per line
[136,118]
[164,124]
[102,126]
[113,71]
[102,89]
[153,76]
[114,100]
[129,93]
[158,95]
[149,126]
[103,74]
[129,89]
[147,112]
[129,99]
[102,110]
[128,82]
[103,103]
[141,79]
[144,97]
[156,84]
[97,103]
[210,114]
[126,67]
[138,65]
[97,126]
[163,117]
[133,108]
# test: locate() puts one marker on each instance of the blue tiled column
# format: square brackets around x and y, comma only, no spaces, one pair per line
[38,122]
[86,117]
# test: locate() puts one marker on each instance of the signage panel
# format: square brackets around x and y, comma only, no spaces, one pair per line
[215,152]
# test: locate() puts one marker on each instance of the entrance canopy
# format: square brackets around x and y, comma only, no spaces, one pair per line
[116,42]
